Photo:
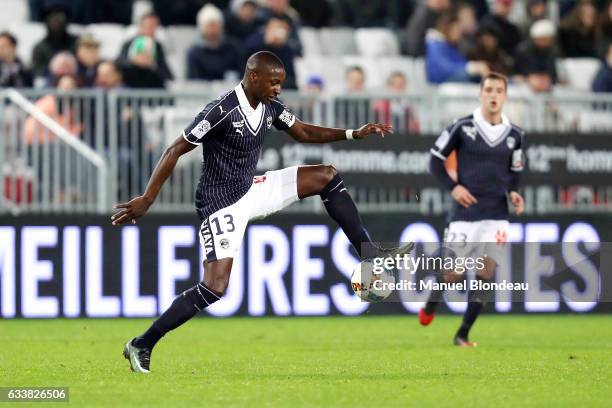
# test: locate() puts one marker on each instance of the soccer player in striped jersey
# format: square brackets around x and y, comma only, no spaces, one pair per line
[231,131]
[489,163]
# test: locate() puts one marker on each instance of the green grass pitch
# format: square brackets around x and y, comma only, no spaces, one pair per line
[539,361]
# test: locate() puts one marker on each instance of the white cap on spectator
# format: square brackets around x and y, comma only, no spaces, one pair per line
[209,13]
[542,29]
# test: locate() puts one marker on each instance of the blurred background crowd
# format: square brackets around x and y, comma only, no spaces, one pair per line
[156,44]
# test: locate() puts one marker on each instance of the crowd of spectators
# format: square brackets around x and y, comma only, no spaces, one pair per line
[459,40]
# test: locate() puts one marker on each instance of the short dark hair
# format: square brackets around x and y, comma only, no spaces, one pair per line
[355,68]
[497,76]
[10,37]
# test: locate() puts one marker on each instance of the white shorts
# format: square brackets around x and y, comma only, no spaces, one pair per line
[477,238]
[222,232]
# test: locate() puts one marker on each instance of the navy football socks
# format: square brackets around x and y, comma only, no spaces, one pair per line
[342,209]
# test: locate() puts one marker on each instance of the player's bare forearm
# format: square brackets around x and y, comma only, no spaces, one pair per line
[136,207]
[307,133]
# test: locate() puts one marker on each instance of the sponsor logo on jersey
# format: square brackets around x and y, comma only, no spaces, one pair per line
[470,131]
[287,117]
[511,142]
[269,121]
[201,129]
[207,238]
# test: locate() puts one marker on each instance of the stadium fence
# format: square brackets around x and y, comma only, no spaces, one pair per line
[121,134]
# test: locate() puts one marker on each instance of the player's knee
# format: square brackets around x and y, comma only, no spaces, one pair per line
[328,173]
[218,285]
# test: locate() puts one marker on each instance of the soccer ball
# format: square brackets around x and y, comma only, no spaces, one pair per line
[363,278]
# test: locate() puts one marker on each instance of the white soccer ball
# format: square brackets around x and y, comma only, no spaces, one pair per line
[365,285]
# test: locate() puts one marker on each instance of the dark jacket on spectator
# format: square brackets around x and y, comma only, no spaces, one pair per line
[577,44]
[15,75]
[160,59]
[86,75]
[510,35]
[139,77]
[45,50]
[530,59]
[313,13]
[237,29]
[207,63]
[603,79]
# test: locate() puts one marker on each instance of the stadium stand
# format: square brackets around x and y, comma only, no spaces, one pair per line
[326,55]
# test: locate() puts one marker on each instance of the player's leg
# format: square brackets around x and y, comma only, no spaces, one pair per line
[456,243]
[184,307]
[492,234]
[477,299]
[428,312]
[220,236]
[324,180]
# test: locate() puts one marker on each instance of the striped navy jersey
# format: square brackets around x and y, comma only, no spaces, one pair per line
[231,133]
[489,158]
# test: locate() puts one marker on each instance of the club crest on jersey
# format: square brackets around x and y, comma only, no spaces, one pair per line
[202,128]
[224,243]
[510,142]
[470,131]
[269,121]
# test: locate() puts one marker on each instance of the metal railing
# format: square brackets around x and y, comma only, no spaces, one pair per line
[46,167]
[81,152]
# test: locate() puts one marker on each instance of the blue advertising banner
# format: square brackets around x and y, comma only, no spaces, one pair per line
[289,265]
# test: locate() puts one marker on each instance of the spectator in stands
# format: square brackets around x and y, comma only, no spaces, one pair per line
[509,34]
[536,10]
[57,39]
[314,85]
[603,79]
[140,70]
[423,18]
[240,20]
[466,16]
[538,54]
[397,111]
[274,37]
[313,13]
[487,49]
[108,76]
[443,60]
[58,108]
[281,10]
[213,57]
[12,71]
[87,60]
[63,64]
[148,25]
[577,32]
[354,80]
[604,30]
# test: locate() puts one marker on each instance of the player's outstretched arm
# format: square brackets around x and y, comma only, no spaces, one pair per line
[136,207]
[307,133]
